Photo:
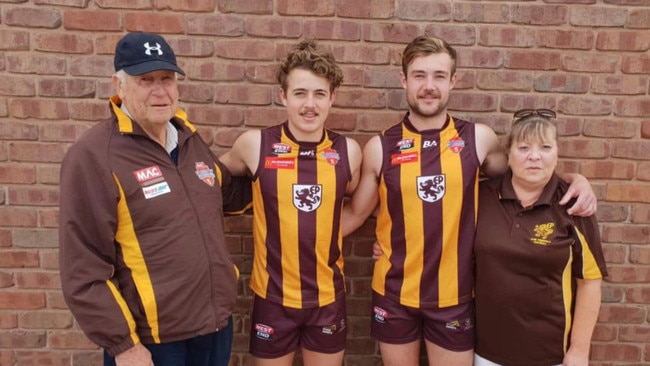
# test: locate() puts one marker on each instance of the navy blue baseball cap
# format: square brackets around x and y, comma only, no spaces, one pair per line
[139,53]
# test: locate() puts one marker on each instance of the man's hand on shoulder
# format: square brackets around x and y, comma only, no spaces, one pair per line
[586,202]
[137,355]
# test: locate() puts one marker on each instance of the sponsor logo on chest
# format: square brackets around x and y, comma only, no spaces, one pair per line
[152,181]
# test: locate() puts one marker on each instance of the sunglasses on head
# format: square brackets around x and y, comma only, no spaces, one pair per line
[529,112]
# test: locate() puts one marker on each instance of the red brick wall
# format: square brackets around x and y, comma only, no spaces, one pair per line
[589,60]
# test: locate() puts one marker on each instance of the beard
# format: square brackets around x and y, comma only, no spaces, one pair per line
[428,112]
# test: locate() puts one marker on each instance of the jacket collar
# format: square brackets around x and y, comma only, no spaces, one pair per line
[127,125]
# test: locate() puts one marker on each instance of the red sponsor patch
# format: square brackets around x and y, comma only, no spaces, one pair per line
[149,175]
[411,157]
[279,163]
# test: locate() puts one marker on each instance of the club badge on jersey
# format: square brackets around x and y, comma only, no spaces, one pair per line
[431,188]
[307,197]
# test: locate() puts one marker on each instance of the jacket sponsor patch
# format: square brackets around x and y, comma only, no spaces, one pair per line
[264,332]
[156,190]
[152,181]
[272,162]
[205,173]
[149,175]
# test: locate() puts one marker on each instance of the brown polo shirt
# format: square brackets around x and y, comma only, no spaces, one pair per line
[527,263]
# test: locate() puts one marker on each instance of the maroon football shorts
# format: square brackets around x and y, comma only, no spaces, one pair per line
[451,327]
[278,330]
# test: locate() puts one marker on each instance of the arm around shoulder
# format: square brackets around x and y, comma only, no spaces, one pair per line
[243,157]
[586,202]
[490,153]
[365,197]
[354,161]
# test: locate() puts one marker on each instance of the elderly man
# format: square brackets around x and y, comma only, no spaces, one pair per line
[144,265]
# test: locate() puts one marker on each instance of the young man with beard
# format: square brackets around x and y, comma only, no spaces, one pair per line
[424,173]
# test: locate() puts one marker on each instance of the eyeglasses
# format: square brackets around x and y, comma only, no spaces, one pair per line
[540,112]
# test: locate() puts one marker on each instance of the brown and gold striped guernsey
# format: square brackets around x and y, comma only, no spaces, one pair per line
[298,193]
[428,191]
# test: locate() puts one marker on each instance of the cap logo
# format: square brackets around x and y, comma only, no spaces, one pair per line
[150,48]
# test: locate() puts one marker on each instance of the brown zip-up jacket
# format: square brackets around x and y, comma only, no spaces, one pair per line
[142,249]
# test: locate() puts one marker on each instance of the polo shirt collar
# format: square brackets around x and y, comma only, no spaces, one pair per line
[507,191]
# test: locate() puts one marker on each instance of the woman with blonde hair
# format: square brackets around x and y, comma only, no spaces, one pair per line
[538,269]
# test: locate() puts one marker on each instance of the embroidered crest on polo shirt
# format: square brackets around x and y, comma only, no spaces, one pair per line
[264,332]
[431,188]
[380,315]
[205,173]
[307,197]
[152,181]
[456,144]
[542,232]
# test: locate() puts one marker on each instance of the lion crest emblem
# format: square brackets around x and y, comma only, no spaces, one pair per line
[431,188]
[307,197]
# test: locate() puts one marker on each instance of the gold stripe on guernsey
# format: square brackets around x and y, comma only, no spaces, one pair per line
[134,260]
[382,230]
[413,210]
[289,234]
[260,280]
[324,214]
[590,269]
[568,299]
[452,206]
[125,311]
